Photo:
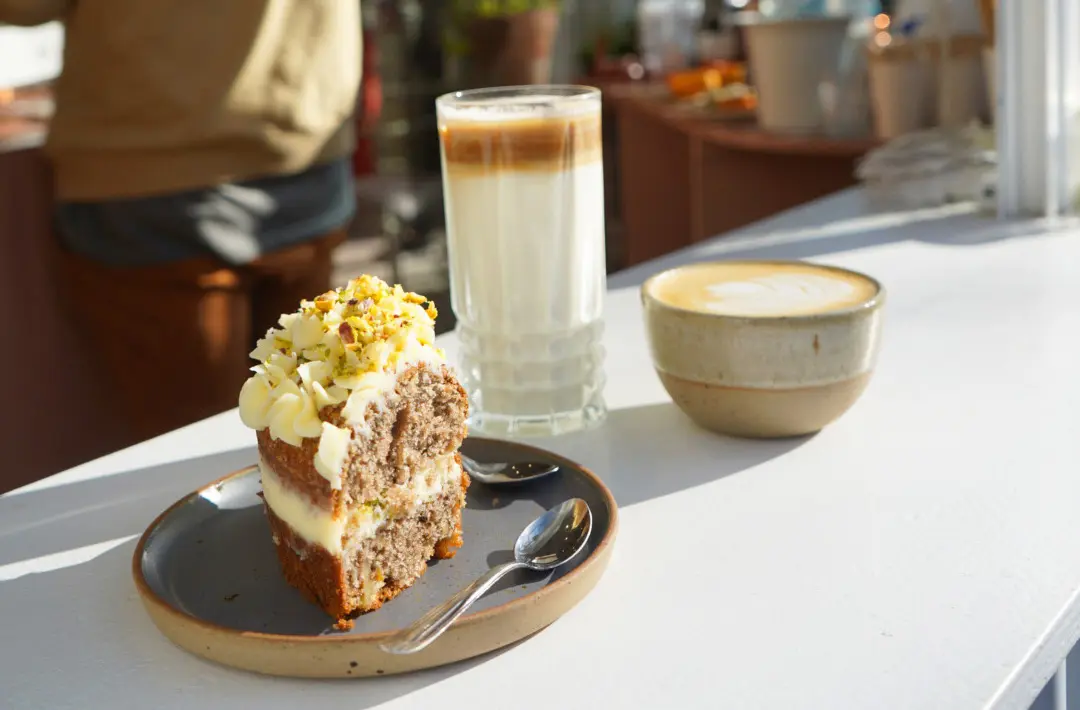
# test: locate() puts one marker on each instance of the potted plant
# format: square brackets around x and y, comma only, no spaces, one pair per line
[504,42]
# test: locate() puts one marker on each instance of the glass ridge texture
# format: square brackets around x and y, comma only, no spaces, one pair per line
[524,199]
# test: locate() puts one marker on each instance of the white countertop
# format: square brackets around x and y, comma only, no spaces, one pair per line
[922,552]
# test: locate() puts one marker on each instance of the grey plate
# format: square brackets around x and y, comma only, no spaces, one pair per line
[210,556]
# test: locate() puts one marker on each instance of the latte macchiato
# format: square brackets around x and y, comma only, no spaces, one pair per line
[763,349]
[763,289]
[523,181]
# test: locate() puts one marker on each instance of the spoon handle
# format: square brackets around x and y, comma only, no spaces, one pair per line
[432,624]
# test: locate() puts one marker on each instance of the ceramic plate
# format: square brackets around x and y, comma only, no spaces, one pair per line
[209,577]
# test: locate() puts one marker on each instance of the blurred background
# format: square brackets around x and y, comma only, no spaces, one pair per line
[717,113]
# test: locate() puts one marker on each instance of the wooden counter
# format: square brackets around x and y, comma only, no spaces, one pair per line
[685,176]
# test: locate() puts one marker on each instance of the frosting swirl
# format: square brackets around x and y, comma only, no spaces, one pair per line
[345,346]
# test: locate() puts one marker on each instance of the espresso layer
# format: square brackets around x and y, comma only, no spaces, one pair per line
[549,143]
[762,289]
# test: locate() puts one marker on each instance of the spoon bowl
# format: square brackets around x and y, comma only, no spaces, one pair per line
[502,473]
[553,539]
[556,537]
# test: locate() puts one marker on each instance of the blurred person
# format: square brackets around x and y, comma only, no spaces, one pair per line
[202,157]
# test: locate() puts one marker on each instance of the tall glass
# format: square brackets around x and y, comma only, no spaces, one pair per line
[523,181]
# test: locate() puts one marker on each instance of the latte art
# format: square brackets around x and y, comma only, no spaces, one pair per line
[776,294]
[753,289]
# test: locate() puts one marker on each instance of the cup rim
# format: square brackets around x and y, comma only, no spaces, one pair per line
[562,94]
[754,18]
[874,302]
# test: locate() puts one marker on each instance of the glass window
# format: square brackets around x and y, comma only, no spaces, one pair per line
[1037,68]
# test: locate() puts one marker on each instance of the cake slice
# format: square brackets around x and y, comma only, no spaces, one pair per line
[358,423]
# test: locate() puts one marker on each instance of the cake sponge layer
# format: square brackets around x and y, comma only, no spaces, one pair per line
[423,417]
[372,570]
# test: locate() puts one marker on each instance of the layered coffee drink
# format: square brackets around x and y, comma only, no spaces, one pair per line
[524,200]
[763,289]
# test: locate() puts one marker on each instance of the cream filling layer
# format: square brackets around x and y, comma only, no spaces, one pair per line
[319,526]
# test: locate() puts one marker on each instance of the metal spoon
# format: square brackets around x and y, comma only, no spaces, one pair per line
[501,473]
[547,542]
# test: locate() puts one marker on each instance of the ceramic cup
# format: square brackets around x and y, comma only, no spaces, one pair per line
[789,60]
[763,349]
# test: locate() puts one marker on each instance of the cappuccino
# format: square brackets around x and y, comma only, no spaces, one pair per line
[760,348]
[763,289]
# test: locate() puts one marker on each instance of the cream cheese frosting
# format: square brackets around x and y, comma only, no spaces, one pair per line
[322,527]
[345,346]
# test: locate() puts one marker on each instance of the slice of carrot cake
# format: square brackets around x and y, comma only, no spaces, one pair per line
[358,422]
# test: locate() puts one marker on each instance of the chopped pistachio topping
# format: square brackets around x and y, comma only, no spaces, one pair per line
[343,345]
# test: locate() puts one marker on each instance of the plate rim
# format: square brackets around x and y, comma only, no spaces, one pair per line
[597,556]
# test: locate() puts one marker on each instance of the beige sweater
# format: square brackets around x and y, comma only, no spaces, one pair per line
[167,95]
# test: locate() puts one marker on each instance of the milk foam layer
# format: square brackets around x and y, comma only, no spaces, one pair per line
[501,108]
[762,289]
